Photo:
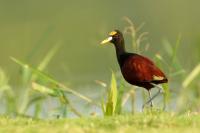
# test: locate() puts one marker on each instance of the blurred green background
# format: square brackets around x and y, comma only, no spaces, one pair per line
[29,28]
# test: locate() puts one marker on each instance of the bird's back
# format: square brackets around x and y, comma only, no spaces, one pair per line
[140,71]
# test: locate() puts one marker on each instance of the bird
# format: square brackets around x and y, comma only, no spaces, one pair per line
[136,69]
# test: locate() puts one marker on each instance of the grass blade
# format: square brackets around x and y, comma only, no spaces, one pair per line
[48,57]
[112,98]
[54,82]
[195,72]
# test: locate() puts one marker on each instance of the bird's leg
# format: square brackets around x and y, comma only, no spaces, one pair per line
[154,96]
[149,101]
[160,89]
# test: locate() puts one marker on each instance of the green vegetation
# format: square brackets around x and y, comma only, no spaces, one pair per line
[47,50]
[141,123]
[37,86]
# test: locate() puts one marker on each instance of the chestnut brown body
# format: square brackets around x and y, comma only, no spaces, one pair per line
[140,71]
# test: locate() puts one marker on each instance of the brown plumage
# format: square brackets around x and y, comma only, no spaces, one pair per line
[140,71]
[136,69]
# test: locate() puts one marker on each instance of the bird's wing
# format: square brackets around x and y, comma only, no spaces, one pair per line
[142,69]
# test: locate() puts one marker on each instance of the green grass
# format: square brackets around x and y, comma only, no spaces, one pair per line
[142,122]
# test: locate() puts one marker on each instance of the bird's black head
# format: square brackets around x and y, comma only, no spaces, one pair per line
[115,37]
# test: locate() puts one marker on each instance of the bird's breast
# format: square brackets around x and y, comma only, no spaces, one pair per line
[129,72]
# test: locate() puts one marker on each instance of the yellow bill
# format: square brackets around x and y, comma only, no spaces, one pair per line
[106,40]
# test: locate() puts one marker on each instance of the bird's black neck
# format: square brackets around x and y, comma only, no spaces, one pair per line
[119,47]
[120,50]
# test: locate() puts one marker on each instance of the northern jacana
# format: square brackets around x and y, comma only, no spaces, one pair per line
[136,69]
